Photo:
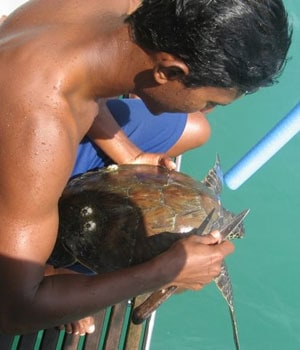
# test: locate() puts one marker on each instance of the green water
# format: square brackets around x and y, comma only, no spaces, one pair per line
[265,267]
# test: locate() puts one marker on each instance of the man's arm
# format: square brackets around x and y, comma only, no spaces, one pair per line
[107,135]
[36,166]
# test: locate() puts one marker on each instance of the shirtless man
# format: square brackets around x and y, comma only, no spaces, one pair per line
[56,60]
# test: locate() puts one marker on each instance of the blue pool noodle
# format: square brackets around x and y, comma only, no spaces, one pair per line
[258,155]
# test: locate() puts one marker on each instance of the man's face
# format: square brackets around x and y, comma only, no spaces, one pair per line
[174,97]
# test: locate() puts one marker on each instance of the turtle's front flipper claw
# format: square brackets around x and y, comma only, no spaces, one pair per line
[143,311]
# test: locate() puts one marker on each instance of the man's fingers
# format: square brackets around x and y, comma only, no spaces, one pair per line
[213,237]
[226,248]
[166,162]
[169,164]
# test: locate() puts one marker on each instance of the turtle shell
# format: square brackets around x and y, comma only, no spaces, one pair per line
[123,215]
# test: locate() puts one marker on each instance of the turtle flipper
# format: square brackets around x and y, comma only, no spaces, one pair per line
[143,311]
[60,257]
[214,178]
[224,284]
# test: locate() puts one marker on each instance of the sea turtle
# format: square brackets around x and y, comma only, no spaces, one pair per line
[123,215]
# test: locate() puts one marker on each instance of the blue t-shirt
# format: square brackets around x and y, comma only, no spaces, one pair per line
[154,134]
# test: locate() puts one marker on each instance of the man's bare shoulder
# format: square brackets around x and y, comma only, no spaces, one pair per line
[44,73]
[51,48]
[71,11]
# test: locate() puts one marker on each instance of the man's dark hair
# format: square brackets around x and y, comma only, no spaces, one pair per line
[225,43]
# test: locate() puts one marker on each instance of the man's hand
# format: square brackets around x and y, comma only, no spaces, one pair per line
[154,159]
[197,260]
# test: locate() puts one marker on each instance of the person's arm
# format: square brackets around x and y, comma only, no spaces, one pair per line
[107,135]
[195,134]
[36,166]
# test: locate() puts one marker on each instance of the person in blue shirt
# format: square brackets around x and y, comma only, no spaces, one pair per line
[166,135]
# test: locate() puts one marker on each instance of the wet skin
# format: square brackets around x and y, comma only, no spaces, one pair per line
[56,59]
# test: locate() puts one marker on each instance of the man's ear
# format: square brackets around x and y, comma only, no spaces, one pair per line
[168,67]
